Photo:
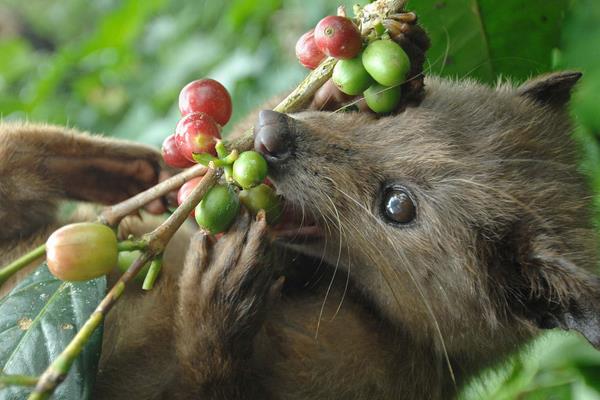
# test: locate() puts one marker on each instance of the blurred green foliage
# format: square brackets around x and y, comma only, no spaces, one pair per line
[483,39]
[116,66]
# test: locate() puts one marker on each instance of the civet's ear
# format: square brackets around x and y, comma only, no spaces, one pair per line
[552,89]
[554,292]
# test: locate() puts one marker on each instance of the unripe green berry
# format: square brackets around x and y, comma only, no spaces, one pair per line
[250,169]
[382,99]
[262,197]
[386,62]
[218,209]
[351,77]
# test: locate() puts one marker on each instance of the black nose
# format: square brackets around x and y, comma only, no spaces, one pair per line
[272,136]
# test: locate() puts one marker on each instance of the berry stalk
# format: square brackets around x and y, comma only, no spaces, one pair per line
[152,274]
[17,380]
[113,215]
[21,263]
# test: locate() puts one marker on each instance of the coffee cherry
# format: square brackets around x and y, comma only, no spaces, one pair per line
[386,61]
[382,99]
[351,77]
[171,154]
[186,189]
[218,209]
[262,197]
[82,251]
[126,258]
[196,133]
[249,169]
[338,37]
[307,51]
[207,96]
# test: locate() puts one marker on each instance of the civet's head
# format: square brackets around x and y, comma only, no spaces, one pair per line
[464,218]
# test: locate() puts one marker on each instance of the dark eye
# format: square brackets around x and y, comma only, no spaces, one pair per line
[398,206]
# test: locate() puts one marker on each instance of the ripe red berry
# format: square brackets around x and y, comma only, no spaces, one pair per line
[207,96]
[307,51]
[171,154]
[186,189]
[196,133]
[338,37]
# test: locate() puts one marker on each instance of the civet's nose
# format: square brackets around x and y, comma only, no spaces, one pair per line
[272,136]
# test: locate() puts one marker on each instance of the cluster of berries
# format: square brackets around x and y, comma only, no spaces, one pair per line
[206,107]
[375,68]
[85,251]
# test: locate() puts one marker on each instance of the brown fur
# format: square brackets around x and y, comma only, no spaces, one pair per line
[502,246]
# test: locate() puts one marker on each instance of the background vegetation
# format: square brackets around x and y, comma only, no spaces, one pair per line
[116,66]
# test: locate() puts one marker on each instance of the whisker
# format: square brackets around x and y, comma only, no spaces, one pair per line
[414,281]
[339,307]
[446,51]
[337,263]
[527,160]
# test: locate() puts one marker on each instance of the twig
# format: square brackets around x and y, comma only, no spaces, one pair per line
[17,380]
[156,242]
[21,263]
[153,271]
[112,215]
[305,91]
[131,245]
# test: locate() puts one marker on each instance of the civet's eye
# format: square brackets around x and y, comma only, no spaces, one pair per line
[397,206]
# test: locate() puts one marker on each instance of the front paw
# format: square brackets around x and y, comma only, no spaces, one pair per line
[224,291]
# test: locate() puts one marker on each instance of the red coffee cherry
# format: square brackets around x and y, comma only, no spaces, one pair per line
[338,37]
[207,96]
[171,154]
[307,51]
[196,133]
[186,189]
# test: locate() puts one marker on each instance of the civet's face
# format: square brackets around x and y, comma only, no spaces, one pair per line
[463,218]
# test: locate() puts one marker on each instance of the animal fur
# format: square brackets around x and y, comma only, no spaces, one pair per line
[501,248]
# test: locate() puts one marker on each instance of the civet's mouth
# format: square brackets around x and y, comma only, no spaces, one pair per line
[295,225]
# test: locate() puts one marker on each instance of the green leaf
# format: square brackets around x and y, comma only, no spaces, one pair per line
[580,51]
[557,392]
[38,318]
[487,38]
[591,375]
